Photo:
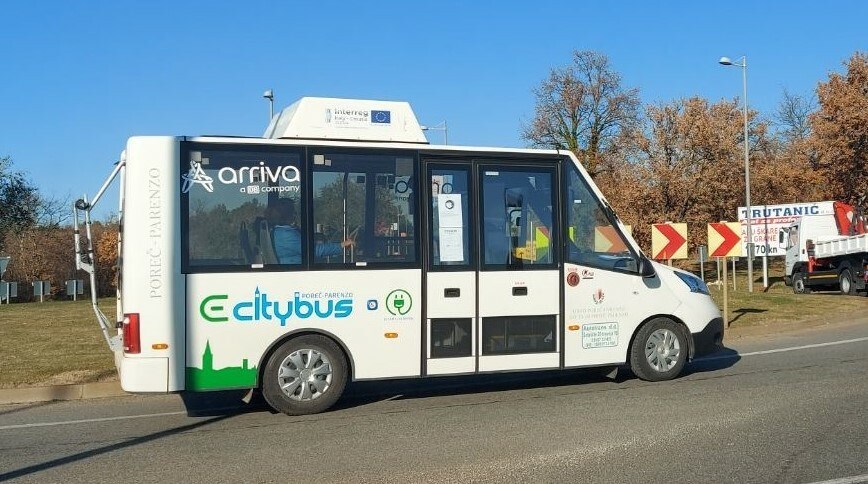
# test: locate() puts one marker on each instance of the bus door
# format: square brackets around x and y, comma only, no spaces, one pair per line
[519,270]
[492,284]
[450,320]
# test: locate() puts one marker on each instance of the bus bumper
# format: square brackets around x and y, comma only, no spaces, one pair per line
[143,375]
[709,340]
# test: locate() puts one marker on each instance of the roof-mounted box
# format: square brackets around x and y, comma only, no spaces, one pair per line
[347,119]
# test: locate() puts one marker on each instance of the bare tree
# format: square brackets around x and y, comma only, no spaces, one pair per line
[53,211]
[792,116]
[583,108]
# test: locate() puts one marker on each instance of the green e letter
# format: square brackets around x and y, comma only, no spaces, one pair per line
[207,311]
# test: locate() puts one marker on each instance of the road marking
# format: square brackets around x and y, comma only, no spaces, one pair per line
[846,480]
[783,350]
[89,420]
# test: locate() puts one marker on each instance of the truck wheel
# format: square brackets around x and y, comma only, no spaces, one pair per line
[799,286]
[304,375]
[659,351]
[846,281]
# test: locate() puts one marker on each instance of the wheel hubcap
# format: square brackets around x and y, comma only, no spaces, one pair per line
[845,284]
[662,350]
[305,375]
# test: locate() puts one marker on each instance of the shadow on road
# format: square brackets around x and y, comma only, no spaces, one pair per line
[719,360]
[361,393]
[21,408]
[367,392]
[24,471]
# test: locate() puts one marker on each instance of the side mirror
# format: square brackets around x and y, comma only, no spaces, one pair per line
[646,268]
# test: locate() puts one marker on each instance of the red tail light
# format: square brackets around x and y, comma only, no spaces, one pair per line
[132,342]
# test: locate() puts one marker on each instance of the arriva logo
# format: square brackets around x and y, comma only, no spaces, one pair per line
[246,175]
[262,308]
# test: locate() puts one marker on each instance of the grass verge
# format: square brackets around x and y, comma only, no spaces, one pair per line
[54,343]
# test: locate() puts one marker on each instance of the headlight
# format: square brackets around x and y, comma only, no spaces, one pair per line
[694,283]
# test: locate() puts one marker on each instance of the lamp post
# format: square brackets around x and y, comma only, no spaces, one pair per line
[269,94]
[726,61]
[440,127]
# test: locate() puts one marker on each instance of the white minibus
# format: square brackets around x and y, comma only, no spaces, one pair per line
[342,246]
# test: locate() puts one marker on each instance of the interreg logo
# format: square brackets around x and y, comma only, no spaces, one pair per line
[261,308]
[196,176]
[250,176]
[399,302]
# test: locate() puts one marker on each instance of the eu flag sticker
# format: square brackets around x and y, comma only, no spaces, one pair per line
[381,117]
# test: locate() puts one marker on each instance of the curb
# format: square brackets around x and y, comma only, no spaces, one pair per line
[61,392]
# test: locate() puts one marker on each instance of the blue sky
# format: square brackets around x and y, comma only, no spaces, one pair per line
[79,78]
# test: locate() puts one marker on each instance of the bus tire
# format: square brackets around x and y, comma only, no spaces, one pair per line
[799,286]
[845,279]
[304,375]
[659,351]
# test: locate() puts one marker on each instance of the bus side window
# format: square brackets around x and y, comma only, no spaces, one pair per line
[364,203]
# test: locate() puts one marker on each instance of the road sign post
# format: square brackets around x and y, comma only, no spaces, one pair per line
[725,297]
[703,255]
[724,240]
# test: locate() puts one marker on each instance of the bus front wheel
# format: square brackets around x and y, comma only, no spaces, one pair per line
[304,375]
[659,350]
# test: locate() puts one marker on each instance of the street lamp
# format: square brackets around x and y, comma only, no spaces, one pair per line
[440,127]
[269,94]
[727,62]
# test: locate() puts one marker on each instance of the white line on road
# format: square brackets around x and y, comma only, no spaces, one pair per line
[89,420]
[846,480]
[710,358]
[782,350]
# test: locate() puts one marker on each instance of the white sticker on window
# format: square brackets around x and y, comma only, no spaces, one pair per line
[449,210]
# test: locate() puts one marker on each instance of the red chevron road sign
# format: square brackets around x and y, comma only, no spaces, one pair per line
[669,241]
[724,240]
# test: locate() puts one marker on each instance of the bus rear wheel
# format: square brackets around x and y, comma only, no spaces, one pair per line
[659,351]
[304,375]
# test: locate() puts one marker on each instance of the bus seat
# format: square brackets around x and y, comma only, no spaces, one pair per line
[244,239]
[250,250]
[266,245]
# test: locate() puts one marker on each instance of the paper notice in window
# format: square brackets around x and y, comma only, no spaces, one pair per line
[451,227]
[451,244]
[449,210]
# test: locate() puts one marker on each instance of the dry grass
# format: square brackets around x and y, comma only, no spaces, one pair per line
[55,342]
[778,303]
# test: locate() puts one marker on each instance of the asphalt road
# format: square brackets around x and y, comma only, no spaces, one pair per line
[772,409]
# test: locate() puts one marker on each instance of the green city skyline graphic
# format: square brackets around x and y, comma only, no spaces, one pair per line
[207,378]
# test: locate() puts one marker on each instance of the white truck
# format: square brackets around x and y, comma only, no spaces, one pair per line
[828,251]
